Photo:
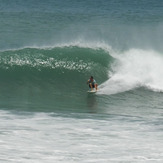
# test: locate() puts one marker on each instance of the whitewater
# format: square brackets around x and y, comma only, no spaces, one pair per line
[48,51]
[137,68]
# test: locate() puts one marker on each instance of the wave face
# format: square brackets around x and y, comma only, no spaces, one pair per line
[62,63]
[31,75]
[54,77]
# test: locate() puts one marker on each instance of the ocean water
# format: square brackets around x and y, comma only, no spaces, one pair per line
[48,51]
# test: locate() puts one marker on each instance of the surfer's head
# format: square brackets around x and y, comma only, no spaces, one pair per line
[91,78]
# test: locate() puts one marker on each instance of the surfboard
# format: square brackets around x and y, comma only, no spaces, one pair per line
[92,91]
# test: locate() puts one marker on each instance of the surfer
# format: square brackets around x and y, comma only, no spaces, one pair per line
[92,83]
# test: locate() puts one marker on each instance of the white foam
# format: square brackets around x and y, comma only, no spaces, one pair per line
[135,68]
[45,137]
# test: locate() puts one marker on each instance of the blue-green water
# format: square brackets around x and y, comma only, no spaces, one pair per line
[48,51]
